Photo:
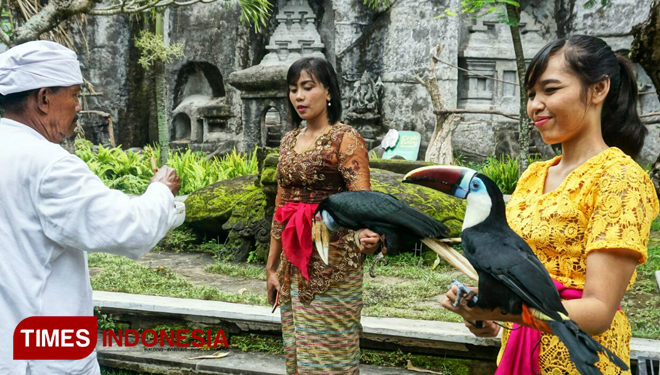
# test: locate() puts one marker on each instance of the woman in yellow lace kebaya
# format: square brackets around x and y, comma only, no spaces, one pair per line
[586,214]
[320,304]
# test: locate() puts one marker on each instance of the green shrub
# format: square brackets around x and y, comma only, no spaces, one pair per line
[503,171]
[131,172]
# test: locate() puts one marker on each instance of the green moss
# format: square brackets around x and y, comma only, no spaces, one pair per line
[398,165]
[271,160]
[400,359]
[440,206]
[218,200]
[269,176]
[247,222]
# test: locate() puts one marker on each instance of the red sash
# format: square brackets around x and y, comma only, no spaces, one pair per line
[297,235]
[522,345]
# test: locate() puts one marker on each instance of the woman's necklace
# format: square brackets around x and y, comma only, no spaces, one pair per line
[316,136]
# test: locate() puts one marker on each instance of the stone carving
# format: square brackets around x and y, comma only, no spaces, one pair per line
[263,85]
[295,35]
[364,99]
[363,109]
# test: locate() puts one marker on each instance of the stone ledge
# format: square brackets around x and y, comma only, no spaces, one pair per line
[409,332]
[179,362]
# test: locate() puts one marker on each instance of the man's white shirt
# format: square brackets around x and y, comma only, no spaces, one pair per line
[53,210]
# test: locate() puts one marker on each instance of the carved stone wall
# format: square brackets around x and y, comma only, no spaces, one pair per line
[486,49]
[216,44]
[392,45]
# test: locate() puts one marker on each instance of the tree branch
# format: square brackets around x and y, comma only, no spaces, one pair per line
[48,18]
[92,112]
[4,38]
[478,111]
[132,7]
[649,114]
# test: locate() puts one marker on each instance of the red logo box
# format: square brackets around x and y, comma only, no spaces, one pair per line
[55,337]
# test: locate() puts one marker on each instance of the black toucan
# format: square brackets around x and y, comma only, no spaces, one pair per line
[384,214]
[511,277]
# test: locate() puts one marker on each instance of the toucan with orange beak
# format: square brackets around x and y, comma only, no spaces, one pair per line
[511,277]
[386,215]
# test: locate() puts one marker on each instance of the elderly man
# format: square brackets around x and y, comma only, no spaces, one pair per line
[53,210]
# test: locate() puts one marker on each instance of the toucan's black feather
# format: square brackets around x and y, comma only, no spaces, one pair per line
[384,214]
[511,275]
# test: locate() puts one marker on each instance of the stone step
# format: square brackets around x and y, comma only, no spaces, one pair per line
[422,335]
[138,358]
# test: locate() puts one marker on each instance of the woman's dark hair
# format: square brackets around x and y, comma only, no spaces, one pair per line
[321,70]
[593,61]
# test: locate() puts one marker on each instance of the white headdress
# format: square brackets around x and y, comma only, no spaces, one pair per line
[38,64]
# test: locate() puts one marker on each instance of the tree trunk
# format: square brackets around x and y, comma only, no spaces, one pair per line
[440,149]
[645,50]
[161,99]
[523,121]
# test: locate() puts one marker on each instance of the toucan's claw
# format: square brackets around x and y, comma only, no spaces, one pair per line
[321,238]
[463,290]
[379,258]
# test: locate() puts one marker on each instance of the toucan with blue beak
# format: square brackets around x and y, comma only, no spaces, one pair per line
[511,277]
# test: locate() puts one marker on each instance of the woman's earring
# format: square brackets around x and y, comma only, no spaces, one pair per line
[329,104]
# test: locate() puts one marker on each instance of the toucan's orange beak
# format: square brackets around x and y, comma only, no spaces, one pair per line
[444,178]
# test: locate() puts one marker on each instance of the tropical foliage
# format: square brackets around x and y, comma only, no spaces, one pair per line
[131,172]
[502,170]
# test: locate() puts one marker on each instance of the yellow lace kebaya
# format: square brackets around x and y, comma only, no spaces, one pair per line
[606,203]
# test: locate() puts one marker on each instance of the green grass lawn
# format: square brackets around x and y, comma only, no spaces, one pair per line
[121,274]
[407,287]
[114,371]
[642,302]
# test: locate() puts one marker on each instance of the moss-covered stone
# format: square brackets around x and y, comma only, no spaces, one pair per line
[440,206]
[233,211]
[268,178]
[207,209]
[239,211]
[269,182]
[398,165]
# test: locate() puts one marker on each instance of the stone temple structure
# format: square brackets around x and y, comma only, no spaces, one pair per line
[228,90]
[263,85]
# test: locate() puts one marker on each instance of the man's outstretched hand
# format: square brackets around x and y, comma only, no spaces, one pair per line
[168,176]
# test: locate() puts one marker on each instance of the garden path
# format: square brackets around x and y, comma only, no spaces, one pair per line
[191,266]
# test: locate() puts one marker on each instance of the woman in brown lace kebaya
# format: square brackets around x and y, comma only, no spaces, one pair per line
[320,304]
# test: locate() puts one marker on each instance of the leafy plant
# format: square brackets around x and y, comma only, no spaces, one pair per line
[180,239]
[257,343]
[131,172]
[503,171]
[152,47]
[107,321]
[481,8]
